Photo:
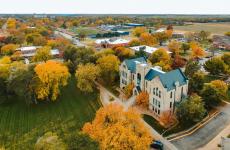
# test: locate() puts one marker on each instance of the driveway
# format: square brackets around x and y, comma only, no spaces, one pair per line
[202,136]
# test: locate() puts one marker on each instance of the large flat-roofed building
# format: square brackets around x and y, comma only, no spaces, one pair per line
[165,89]
[147,49]
[109,43]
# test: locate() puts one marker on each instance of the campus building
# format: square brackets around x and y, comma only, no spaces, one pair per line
[165,89]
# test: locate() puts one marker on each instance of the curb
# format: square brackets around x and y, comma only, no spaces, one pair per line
[195,128]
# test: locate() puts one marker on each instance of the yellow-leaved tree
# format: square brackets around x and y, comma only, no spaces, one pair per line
[43,54]
[86,76]
[50,77]
[114,129]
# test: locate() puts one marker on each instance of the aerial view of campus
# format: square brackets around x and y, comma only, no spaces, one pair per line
[114,75]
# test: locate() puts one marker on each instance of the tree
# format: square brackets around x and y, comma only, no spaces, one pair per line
[214,92]
[50,77]
[178,62]
[78,56]
[167,118]
[36,39]
[143,99]
[109,66]
[185,47]
[191,110]
[148,39]
[161,58]
[174,47]
[216,66]
[123,53]
[226,58]
[203,35]
[191,68]
[86,76]
[50,141]
[134,42]
[43,54]
[197,51]
[8,49]
[115,128]
[196,82]
[129,90]
[81,141]
[21,81]
[227,33]
[138,31]
[161,37]
[11,23]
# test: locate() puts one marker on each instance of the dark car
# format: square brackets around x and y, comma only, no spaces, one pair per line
[157,145]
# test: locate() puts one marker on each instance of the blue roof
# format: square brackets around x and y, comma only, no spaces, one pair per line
[152,74]
[168,79]
[131,64]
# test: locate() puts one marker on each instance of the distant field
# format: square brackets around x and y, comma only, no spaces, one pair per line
[214,28]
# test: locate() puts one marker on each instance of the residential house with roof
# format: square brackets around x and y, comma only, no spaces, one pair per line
[30,51]
[165,89]
[221,42]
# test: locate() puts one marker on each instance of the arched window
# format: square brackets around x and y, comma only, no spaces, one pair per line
[171,93]
[139,79]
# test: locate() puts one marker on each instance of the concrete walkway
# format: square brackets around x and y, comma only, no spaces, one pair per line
[106,95]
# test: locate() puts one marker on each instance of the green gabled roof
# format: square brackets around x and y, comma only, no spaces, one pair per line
[152,74]
[131,64]
[168,79]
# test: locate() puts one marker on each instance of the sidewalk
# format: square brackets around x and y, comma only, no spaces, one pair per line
[212,145]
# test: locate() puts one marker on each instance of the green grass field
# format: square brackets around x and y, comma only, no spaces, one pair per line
[154,123]
[214,28]
[21,123]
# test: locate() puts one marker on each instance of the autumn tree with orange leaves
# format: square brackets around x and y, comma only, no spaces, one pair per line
[114,129]
[50,77]
[148,39]
[138,31]
[143,99]
[197,51]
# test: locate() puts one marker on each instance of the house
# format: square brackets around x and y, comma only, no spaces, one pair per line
[165,89]
[179,36]
[109,43]
[30,51]
[147,49]
[221,42]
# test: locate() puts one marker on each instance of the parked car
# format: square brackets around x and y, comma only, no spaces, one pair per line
[158,145]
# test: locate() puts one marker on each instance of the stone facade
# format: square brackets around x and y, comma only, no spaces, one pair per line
[165,88]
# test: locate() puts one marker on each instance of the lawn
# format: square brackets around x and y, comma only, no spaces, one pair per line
[21,123]
[214,28]
[154,123]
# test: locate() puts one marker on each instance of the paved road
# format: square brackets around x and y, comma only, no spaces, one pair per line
[71,38]
[202,136]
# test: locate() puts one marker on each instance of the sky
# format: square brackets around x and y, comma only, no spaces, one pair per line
[116,6]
